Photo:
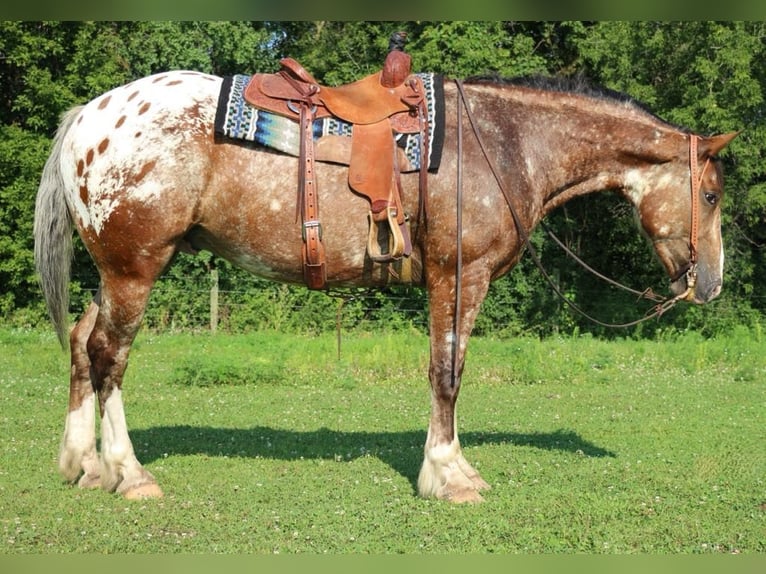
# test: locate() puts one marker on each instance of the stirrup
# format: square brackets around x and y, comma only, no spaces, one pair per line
[392,239]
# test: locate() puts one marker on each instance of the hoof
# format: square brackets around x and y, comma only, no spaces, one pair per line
[464,496]
[143,492]
[471,474]
[89,481]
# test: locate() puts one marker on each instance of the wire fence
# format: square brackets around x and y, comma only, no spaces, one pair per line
[182,303]
[239,302]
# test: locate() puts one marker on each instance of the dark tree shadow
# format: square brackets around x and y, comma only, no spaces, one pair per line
[402,451]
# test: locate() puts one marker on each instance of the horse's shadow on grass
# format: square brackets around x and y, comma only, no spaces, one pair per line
[402,451]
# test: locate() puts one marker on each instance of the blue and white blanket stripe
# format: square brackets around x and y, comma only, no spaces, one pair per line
[237,119]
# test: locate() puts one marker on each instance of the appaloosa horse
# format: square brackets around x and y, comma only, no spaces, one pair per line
[141,176]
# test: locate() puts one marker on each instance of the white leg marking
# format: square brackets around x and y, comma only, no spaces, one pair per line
[120,469]
[445,473]
[78,445]
[439,464]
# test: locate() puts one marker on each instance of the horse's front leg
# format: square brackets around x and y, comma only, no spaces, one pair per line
[445,473]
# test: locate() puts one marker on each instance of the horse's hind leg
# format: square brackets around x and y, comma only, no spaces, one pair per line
[77,455]
[119,317]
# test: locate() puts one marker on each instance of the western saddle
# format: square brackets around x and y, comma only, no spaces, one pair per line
[388,101]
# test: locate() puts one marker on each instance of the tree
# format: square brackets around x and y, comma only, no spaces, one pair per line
[706,76]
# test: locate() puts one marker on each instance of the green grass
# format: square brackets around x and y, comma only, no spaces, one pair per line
[268,443]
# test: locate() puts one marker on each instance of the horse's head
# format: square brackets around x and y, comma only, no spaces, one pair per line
[679,207]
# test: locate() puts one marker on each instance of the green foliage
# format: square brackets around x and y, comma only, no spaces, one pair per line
[337,52]
[706,76]
[30,73]
[20,154]
[207,371]
[460,49]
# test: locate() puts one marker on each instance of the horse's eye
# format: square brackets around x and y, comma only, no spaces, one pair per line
[711,198]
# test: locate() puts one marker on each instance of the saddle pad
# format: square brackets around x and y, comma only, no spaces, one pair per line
[237,119]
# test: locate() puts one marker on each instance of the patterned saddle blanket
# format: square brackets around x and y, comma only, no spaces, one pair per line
[237,119]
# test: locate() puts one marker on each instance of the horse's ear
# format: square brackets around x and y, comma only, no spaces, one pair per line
[710,146]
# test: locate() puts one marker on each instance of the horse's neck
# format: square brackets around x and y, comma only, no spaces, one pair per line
[557,146]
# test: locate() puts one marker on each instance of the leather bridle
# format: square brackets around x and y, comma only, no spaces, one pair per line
[696,184]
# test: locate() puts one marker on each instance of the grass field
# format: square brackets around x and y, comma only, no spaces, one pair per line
[268,443]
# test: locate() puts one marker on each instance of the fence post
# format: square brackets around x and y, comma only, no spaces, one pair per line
[213,300]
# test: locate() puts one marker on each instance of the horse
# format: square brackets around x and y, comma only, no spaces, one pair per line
[141,176]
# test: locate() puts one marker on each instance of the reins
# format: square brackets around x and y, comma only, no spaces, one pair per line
[458,250]
[663,303]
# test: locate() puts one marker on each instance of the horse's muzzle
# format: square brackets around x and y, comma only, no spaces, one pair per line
[706,293]
[695,288]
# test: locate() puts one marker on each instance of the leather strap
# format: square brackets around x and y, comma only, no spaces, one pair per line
[696,182]
[314,268]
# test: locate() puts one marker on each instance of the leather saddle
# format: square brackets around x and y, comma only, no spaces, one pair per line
[390,100]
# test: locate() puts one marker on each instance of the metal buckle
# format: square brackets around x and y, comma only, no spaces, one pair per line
[311,224]
[296,108]
[691,276]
